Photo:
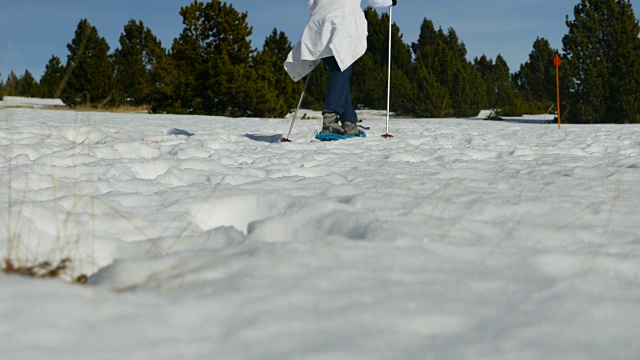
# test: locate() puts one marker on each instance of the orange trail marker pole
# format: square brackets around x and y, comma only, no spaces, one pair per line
[557,61]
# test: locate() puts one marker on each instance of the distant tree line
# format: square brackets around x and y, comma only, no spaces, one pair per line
[212,68]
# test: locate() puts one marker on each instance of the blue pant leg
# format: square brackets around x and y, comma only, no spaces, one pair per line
[338,98]
[349,113]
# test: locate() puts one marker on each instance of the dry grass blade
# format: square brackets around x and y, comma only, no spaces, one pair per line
[44,269]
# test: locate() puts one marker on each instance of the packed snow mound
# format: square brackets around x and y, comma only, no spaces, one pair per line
[531,119]
[16,101]
[485,114]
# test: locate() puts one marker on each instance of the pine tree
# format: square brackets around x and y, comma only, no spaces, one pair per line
[536,79]
[467,92]
[427,98]
[602,50]
[227,54]
[506,94]
[428,75]
[212,69]
[27,85]
[369,82]
[135,63]
[500,92]
[268,64]
[12,85]
[378,41]
[485,67]
[52,78]
[168,88]
[90,68]
[259,96]
[444,56]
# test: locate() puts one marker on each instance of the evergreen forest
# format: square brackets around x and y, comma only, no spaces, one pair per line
[211,68]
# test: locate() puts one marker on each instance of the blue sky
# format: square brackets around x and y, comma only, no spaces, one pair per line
[33,30]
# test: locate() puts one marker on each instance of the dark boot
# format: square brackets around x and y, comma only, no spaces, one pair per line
[331,124]
[350,128]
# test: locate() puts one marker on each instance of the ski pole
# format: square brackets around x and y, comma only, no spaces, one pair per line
[295,115]
[387,135]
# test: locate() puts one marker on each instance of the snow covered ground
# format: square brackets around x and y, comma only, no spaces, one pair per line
[207,238]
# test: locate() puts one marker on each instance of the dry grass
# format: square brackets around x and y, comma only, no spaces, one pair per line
[125,109]
[43,270]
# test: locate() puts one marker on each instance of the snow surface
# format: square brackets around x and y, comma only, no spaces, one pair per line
[207,238]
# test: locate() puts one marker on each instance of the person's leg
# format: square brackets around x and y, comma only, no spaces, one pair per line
[338,100]
[349,117]
[338,88]
[348,113]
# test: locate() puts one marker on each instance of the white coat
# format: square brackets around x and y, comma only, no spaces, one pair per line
[336,28]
